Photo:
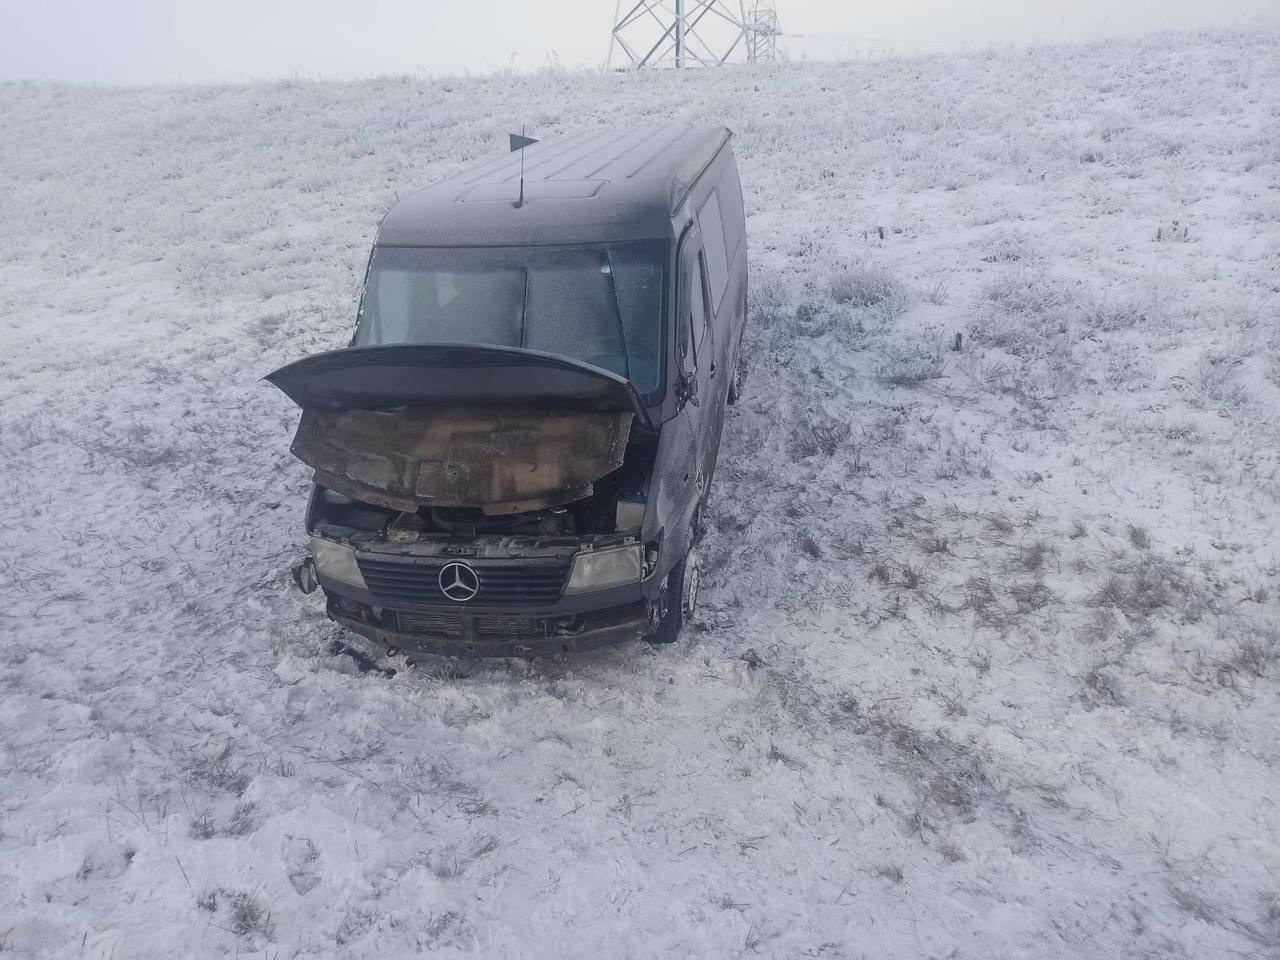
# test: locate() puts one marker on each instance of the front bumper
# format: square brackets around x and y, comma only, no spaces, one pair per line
[520,610]
[488,636]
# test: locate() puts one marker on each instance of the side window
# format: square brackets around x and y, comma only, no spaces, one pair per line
[735,222]
[698,324]
[389,297]
[684,321]
[692,327]
[713,239]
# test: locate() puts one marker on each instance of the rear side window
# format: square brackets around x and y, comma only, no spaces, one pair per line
[735,223]
[699,304]
[693,276]
[714,247]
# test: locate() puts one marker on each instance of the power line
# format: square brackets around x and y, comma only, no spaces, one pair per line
[899,42]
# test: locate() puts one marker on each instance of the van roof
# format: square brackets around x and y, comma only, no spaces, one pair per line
[594,186]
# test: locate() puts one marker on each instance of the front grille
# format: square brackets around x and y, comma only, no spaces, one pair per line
[465,628]
[442,624]
[482,627]
[510,626]
[508,583]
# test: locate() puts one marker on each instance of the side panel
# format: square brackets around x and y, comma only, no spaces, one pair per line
[728,218]
[672,493]
[686,444]
[734,216]
[673,489]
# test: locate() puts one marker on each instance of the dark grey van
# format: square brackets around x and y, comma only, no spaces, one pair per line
[512,455]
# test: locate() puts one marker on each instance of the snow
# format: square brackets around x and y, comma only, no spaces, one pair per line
[989,645]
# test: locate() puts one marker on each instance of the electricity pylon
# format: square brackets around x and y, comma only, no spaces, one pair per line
[762,33]
[680,33]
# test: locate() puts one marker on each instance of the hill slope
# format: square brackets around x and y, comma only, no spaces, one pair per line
[988,659]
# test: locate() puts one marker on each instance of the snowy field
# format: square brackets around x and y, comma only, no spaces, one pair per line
[989,658]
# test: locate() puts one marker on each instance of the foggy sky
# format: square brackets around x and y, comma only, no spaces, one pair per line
[145,41]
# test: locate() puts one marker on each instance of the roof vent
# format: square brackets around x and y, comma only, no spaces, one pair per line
[533,190]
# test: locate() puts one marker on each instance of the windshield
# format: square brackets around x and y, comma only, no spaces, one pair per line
[600,304]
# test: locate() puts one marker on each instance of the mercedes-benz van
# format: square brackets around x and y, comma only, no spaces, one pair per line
[512,454]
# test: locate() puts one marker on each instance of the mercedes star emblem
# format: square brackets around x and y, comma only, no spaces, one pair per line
[459,582]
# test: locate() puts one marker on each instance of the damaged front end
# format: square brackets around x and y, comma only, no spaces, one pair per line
[500,461]
[476,500]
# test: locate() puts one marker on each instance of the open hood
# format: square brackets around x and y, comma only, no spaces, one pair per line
[505,430]
[426,375]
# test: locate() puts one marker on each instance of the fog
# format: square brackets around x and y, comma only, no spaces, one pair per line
[143,41]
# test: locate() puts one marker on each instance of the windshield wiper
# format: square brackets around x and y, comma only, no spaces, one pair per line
[617,312]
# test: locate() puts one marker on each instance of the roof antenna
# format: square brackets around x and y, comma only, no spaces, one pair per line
[520,199]
[519,142]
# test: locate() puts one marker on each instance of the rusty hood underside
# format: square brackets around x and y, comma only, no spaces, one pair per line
[503,461]
[500,429]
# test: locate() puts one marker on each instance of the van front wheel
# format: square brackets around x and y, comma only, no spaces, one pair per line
[682,599]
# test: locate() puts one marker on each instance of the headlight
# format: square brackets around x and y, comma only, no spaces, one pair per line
[598,569]
[336,561]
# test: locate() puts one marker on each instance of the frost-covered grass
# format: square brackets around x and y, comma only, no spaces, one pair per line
[988,663]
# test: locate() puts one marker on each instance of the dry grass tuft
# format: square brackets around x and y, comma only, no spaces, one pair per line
[866,286]
[1142,587]
[910,368]
[249,916]
[817,434]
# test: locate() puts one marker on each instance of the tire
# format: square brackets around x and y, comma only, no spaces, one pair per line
[695,523]
[735,385]
[682,600]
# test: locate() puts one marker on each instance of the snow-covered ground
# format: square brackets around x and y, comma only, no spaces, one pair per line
[989,660]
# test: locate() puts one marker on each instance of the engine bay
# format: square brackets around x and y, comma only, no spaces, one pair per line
[613,504]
